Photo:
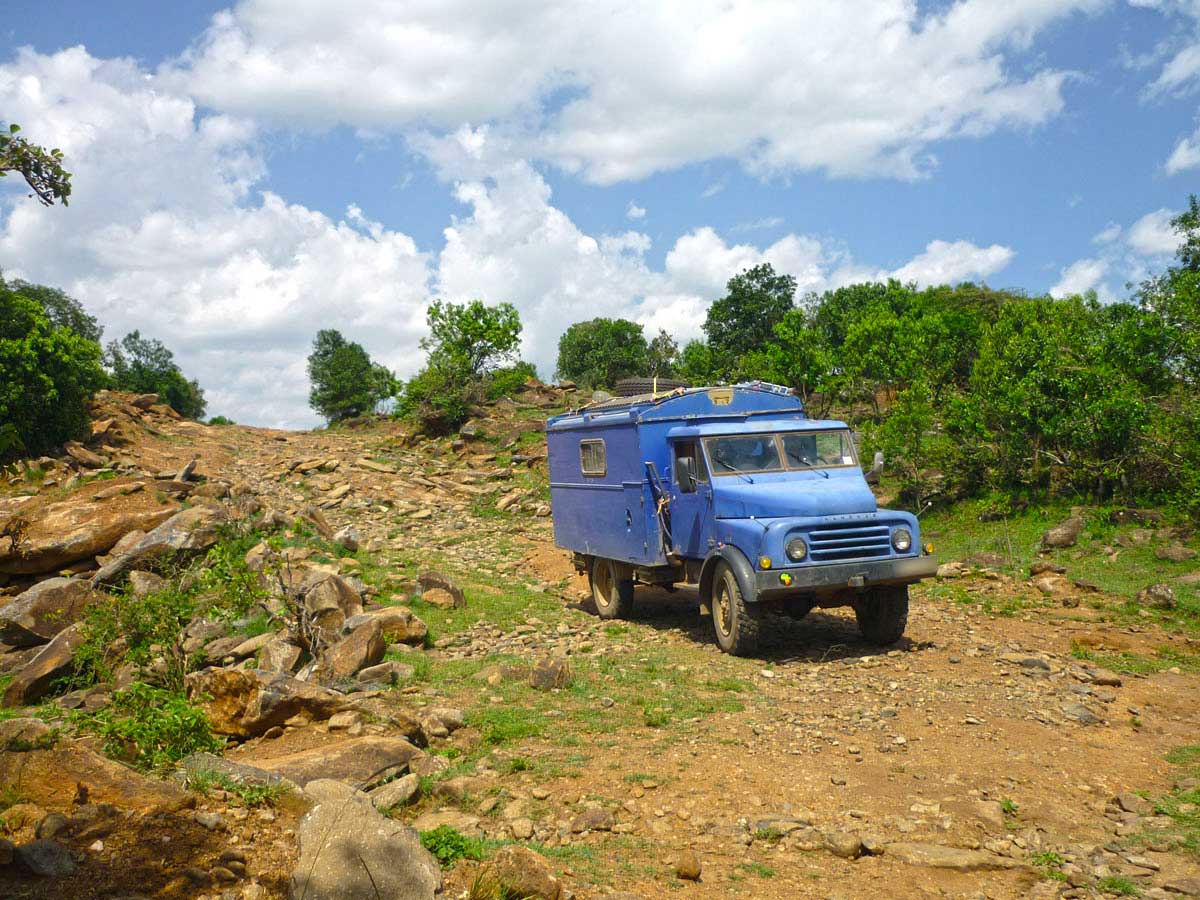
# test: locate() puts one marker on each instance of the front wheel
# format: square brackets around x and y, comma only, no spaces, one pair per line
[735,622]
[883,614]
[611,591]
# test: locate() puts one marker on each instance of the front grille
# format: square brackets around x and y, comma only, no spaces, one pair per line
[849,541]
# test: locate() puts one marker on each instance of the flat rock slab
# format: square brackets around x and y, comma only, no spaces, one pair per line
[348,851]
[44,610]
[35,679]
[360,762]
[191,529]
[937,856]
[245,703]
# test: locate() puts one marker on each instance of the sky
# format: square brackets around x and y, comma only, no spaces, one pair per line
[245,175]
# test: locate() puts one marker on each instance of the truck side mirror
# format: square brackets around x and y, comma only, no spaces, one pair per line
[876,469]
[687,473]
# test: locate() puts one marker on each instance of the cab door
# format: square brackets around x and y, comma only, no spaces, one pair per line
[691,500]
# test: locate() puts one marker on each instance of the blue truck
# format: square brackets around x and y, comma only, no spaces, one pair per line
[736,490]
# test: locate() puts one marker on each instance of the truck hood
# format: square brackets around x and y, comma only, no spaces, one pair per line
[772,499]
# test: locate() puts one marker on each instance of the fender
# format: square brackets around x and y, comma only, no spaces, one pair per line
[742,571]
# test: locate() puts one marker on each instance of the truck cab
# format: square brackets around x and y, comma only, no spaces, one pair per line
[736,490]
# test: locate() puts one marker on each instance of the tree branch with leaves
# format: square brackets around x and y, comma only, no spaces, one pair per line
[41,168]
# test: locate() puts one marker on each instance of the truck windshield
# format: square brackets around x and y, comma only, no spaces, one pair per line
[763,452]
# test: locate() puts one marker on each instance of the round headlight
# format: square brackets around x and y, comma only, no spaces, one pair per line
[902,540]
[796,549]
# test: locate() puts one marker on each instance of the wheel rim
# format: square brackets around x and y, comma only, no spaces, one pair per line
[602,585]
[723,609]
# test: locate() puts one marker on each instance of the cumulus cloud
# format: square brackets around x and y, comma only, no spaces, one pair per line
[633,211]
[1081,276]
[620,92]
[1152,234]
[1186,155]
[946,262]
[164,235]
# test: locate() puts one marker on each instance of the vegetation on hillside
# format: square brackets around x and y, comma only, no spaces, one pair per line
[145,366]
[345,381]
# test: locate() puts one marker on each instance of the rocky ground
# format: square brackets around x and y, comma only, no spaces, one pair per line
[415,652]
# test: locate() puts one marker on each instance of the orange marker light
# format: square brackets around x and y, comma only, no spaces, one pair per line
[765,562]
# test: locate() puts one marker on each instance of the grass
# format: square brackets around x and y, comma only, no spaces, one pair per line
[1122,887]
[1126,662]
[204,781]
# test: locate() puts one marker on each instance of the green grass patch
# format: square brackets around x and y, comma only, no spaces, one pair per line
[1122,887]
[205,781]
[1126,662]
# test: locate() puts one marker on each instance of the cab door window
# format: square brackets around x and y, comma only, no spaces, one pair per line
[688,458]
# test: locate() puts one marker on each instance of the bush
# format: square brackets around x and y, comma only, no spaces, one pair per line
[221,420]
[510,380]
[345,382]
[145,366]
[150,728]
[601,352]
[47,374]
[449,845]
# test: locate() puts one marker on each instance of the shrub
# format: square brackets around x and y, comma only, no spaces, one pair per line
[510,380]
[145,366]
[345,382]
[449,845]
[47,374]
[221,420]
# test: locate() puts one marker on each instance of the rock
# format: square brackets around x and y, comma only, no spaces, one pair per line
[593,819]
[54,773]
[246,703]
[525,874]
[687,866]
[550,673]
[952,569]
[521,828]
[362,762]
[313,517]
[330,600]
[34,680]
[47,858]
[7,852]
[938,857]
[44,610]
[279,654]
[348,851]
[347,537]
[843,844]
[396,793]
[1081,714]
[389,672]
[399,624]
[51,826]
[1156,596]
[144,401]
[71,530]
[431,581]
[1175,552]
[1042,567]
[362,647]
[251,646]
[991,813]
[143,584]
[1065,534]
[1132,803]
[189,530]
[1187,885]
[83,455]
[199,765]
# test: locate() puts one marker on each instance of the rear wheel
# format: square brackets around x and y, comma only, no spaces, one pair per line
[612,589]
[735,622]
[883,614]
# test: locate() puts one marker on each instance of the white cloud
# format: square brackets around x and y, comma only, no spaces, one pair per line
[1186,155]
[619,92]
[946,262]
[1081,276]
[1108,234]
[163,235]
[634,211]
[1153,234]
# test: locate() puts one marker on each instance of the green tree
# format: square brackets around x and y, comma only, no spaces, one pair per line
[800,358]
[600,352]
[696,364]
[479,337]
[145,366]
[662,355]
[756,300]
[41,168]
[61,309]
[344,381]
[47,374]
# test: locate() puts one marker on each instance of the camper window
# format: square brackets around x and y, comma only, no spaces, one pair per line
[593,460]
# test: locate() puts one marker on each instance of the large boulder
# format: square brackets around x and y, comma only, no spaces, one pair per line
[34,680]
[525,874]
[53,773]
[399,624]
[363,762]
[362,647]
[1064,534]
[245,703]
[330,600]
[58,534]
[189,530]
[348,851]
[1156,596]
[44,610]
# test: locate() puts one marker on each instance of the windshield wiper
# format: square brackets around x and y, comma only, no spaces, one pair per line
[732,469]
[805,462]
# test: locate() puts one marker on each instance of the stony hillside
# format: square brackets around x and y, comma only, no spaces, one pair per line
[248,663]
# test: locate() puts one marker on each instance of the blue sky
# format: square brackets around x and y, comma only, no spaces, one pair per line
[247,174]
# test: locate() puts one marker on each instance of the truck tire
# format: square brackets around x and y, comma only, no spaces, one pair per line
[612,592]
[735,622]
[635,387]
[883,614]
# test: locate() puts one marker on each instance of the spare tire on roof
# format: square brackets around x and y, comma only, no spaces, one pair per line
[634,387]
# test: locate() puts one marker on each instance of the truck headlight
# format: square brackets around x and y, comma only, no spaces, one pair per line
[796,549]
[902,540]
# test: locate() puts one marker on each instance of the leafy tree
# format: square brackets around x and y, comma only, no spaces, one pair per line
[800,358]
[145,366]
[1174,296]
[61,309]
[345,382]
[47,374]
[696,364]
[745,318]
[662,355]
[601,352]
[41,168]
[478,336]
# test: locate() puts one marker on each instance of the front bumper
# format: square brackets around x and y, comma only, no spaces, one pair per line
[843,576]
